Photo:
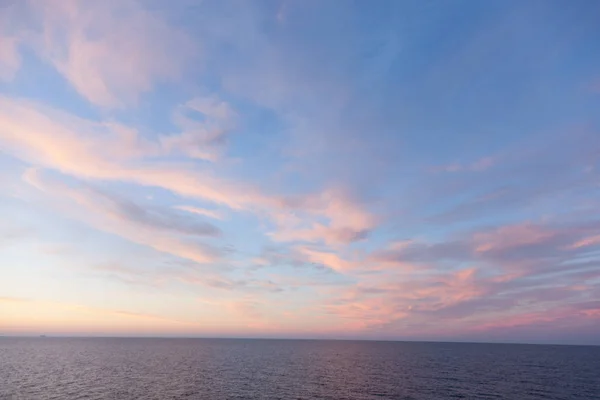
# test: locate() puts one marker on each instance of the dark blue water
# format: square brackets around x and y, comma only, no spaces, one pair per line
[67,368]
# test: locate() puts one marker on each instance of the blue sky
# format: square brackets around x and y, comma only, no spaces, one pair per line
[344,169]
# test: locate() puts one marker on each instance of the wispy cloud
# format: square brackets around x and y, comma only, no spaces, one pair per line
[516,270]
[112,51]
[329,259]
[201,139]
[80,148]
[349,221]
[200,211]
[159,229]
[105,151]
[10,59]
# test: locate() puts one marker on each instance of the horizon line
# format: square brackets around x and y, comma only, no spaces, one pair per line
[71,336]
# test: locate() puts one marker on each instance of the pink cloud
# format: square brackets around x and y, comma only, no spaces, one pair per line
[10,60]
[109,151]
[106,151]
[407,301]
[365,313]
[329,259]
[453,306]
[518,321]
[391,257]
[510,236]
[200,211]
[592,313]
[586,242]
[407,281]
[525,319]
[10,41]
[389,301]
[102,212]
[45,136]
[346,220]
[110,51]
[247,311]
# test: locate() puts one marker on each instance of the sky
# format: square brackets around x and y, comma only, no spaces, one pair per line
[395,170]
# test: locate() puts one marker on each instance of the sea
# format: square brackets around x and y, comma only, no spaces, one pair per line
[128,368]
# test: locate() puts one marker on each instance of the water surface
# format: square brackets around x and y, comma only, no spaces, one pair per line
[103,368]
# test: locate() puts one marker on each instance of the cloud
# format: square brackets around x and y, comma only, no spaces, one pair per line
[110,51]
[154,217]
[159,229]
[328,259]
[507,238]
[534,172]
[10,42]
[203,139]
[461,302]
[10,60]
[104,151]
[505,273]
[592,241]
[506,245]
[200,211]
[568,315]
[344,261]
[112,152]
[248,309]
[167,276]
[48,137]
[348,220]
[391,257]
[281,256]
[321,233]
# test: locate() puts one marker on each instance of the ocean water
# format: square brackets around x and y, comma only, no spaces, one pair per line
[94,368]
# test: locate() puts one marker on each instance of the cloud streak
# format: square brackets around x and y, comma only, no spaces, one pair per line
[126,219]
